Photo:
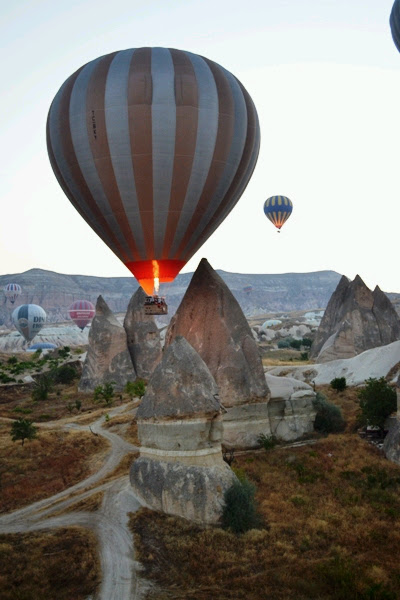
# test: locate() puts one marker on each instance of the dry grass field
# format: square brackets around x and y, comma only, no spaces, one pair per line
[44,466]
[332,529]
[58,565]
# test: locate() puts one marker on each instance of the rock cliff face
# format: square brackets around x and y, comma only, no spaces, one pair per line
[355,320]
[212,321]
[180,470]
[143,336]
[108,358]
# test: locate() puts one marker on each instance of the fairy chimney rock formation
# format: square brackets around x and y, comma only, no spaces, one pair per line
[211,320]
[356,319]
[144,343]
[180,470]
[108,358]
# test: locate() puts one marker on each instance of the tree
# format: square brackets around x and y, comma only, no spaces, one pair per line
[105,392]
[329,417]
[240,510]
[339,384]
[42,386]
[23,429]
[135,388]
[377,402]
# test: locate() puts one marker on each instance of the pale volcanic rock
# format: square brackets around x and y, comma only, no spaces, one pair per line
[180,470]
[355,320]
[212,321]
[144,342]
[210,318]
[108,358]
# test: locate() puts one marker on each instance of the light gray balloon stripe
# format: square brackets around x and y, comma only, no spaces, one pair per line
[163,115]
[205,144]
[73,188]
[233,160]
[80,141]
[242,186]
[117,129]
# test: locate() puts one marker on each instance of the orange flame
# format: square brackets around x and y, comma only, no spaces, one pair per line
[156,275]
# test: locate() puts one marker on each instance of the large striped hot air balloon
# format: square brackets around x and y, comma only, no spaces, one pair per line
[29,320]
[82,312]
[153,147]
[12,291]
[395,23]
[278,209]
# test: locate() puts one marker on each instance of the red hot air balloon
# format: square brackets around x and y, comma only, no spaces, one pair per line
[81,312]
[153,147]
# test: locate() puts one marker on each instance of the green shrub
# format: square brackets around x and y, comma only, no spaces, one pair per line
[329,417]
[64,374]
[23,429]
[104,392]
[42,387]
[377,402]
[135,388]
[267,441]
[284,343]
[306,342]
[296,344]
[240,511]
[64,352]
[339,384]
[304,356]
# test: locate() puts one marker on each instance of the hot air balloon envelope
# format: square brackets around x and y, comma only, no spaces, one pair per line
[278,209]
[82,312]
[41,346]
[29,320]
[153,147]
[12,291]
[395,23]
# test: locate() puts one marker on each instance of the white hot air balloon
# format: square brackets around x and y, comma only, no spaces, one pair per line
[29,320]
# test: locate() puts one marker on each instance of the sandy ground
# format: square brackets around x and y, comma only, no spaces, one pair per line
[110,523]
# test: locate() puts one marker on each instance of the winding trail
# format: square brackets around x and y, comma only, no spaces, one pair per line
[110,522]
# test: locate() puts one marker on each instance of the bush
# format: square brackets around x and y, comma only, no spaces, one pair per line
[339,384]
[267,441]
[329,417]
[135,388]
[240,512]
[42,387]
[377,402]
[306,342]
[64,374]
[105,392]
[296,344]
[23,429]
[284,343]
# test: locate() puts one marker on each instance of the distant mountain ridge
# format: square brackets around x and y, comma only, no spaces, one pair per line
[256,293]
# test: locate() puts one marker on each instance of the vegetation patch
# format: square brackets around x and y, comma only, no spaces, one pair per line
[44,466]
[62,564]
[333,531]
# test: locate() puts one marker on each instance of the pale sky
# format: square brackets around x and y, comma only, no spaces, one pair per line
[325,78]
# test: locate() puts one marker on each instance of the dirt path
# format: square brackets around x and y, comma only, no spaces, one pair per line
[110,523]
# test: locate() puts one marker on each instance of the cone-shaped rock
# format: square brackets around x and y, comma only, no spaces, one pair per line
[144,343]
[108,358]
[355,320]
[210,318]
[180,469]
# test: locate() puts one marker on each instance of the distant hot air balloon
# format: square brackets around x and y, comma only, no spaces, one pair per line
[82,312]
[247,289]
[278,209]
[41,346]
[12,291]
[395,23]
[153,147]
[29,320]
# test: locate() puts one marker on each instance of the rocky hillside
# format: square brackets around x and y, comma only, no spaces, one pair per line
[256,294]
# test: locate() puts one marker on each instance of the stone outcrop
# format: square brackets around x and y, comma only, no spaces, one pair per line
[355,320]
[391,445]
[180,470]
[108,358]
[291,409]
[211,320]
[144,343]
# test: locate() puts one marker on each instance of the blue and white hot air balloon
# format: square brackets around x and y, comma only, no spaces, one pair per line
[29,320]
[395,23]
